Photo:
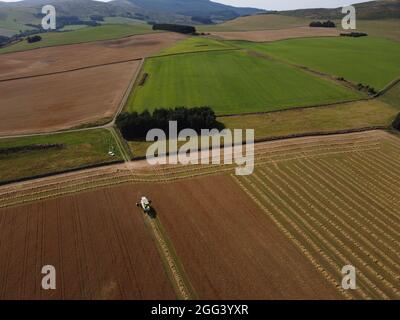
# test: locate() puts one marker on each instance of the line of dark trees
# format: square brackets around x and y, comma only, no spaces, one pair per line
[34,39]
[354,34]
[175,28]
[134,126]
[396,122]
[32,147]
[324,24]
[4,40]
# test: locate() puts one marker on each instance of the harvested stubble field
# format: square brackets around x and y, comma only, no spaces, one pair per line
[274,35]
[339,209]
[97,241]
[61,58]
[335,198]
[62,101]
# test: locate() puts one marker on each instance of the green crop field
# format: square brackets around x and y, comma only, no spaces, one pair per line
[81,148]
[196,44]
[89,34]
[368,60]
[231,83]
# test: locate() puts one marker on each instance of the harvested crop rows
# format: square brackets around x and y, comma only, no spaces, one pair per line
[339,209]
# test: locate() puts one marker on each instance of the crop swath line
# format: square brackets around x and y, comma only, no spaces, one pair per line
[330,244]
[368,180]
[383,169]
[175,271]
[299,244]
[335,217]
[343,223]
[78,250]
[343,211]
[348,191]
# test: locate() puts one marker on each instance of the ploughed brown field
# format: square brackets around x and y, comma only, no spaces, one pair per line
[274,35]
[43,102]
[228,248]
[62,101]
[97,241]
[101,248]
[62,58]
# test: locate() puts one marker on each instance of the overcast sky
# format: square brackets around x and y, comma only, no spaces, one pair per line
[281,4]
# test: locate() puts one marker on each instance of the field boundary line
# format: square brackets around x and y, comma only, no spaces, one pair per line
[70,70]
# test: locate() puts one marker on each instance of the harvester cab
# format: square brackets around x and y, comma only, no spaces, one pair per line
[145,204]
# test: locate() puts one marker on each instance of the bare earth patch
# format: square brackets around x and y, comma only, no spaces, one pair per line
[274,35]
[61,58]
[62,101]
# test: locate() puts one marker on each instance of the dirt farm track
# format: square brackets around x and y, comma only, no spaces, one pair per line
[312,206]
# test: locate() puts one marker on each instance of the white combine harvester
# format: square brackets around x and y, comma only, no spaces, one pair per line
[145,204]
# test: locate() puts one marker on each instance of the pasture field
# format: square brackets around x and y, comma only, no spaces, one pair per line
[257,22]
[81,148]
[103,32]
[196,44]
[336,199]
[231,83]
[367,60]
[387,28]
[275,35]
[348,116]
[97,241]
[71,99]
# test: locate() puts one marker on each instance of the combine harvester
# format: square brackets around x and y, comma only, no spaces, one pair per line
[145,204]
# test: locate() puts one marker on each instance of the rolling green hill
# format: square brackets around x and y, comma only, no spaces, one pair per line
[368,60]
[104,32]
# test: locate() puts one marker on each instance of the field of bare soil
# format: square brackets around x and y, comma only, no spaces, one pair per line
[62,101]
[61,58]
[97,242]
[274,35]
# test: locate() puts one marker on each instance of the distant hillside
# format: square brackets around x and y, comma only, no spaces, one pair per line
[22,15]
[200,9]
[372,10]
